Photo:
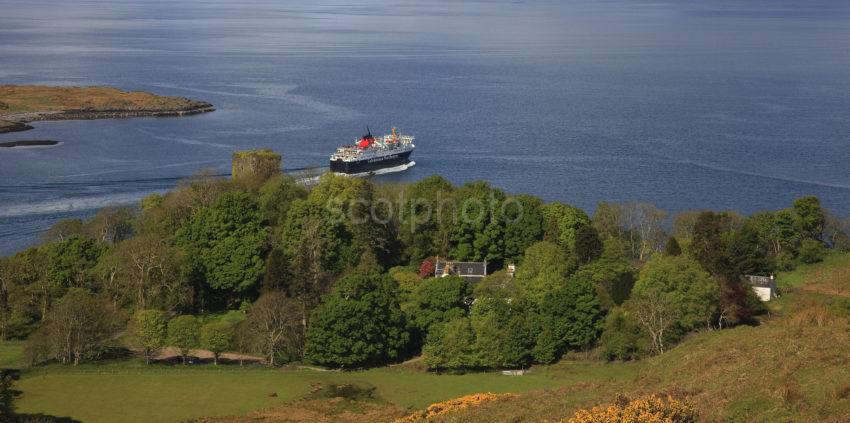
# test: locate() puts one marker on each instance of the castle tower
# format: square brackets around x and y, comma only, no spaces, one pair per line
[255,165]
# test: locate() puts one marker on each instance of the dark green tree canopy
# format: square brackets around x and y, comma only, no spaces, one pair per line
[809,217]
[226,242]
[588,246]
[524,225]
[478,233]
[567,220]
[359,324]
[438,300]
[544,268]
[569,317]
[672,248]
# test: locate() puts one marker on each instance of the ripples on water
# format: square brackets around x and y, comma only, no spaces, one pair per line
[712,104]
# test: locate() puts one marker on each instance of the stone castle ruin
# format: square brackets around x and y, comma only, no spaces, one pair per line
[255,165]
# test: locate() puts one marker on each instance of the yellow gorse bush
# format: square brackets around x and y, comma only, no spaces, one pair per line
[649,409]
[453,405]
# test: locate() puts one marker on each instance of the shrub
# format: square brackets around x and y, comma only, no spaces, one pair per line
[649,409]
[454,405]
[622,338]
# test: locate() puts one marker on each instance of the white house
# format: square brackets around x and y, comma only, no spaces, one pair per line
[763,286]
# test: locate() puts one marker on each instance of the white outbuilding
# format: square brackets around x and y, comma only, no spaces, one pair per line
[763,286]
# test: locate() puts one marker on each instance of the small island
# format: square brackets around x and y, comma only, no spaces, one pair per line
[22,104]
[28,143]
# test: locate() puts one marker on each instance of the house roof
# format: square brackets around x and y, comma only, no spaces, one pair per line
[462,268]
[761,281]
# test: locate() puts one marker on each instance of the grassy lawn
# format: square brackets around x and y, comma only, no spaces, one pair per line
[804,272]
[136,393]
[11,354]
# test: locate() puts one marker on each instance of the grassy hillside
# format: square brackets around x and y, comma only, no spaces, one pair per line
[793,367]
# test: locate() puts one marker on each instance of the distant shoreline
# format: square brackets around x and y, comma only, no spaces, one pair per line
[22,104]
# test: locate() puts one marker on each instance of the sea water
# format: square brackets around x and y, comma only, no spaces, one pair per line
[685,104]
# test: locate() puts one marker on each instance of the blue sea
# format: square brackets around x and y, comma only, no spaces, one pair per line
[741,105]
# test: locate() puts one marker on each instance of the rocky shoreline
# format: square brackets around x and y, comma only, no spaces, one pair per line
[18,122]
[8,126]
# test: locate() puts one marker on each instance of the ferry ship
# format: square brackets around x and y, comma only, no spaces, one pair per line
[371,155]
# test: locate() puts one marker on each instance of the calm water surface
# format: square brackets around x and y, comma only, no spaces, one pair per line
[686,104]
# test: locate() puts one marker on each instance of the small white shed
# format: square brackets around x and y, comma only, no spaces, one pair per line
[763,286]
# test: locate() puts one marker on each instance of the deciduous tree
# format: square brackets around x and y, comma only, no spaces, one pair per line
[217,337]
[150,331]
[274,322]
[77,328]
[183,333]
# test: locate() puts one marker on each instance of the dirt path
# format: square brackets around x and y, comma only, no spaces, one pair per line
[173,354]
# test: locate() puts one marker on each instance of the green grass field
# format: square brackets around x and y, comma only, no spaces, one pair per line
[131,392]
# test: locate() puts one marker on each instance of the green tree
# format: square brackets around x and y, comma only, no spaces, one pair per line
[671,248]
[478,233]
[809,217]
[567,220]
[524,225]
[504,335]
[673,295]
[746,255]
[498,284]
[359,324]
[588,245]
[613,279]
[709,245]
[426,218]
[225,243]
[608,220]
[569,317]
[183,334]
[346,206]
[149,328]
[76,329]
[325,227]
[71,261]
[276,195]
[544,268]
[438,300]
[450,345]
[145,272]
[217,337]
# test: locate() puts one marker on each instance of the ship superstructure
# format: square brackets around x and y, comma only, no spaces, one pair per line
[371,154]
